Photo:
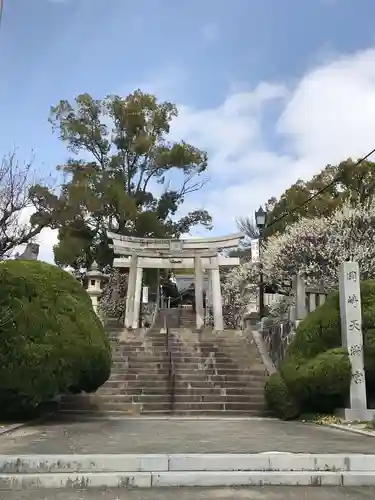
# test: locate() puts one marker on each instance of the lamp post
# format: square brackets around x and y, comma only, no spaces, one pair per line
[260,221]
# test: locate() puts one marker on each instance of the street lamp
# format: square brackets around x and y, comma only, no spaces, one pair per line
[260,221]
[260,218]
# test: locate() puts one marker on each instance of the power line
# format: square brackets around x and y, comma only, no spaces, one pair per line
[1,11]
[312,197]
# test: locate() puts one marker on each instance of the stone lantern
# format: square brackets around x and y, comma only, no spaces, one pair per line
[95,278]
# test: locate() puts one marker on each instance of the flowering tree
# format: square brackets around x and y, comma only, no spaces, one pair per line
[238,288]
[112,300]
[314,248]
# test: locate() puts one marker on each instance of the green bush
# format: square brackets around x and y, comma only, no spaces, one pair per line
[279,399]
[316,371]
[51,340]
[320,384]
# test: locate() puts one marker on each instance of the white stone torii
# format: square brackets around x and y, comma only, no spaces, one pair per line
[200,253]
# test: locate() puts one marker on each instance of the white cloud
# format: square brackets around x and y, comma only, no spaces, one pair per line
[46,239]
[327,116]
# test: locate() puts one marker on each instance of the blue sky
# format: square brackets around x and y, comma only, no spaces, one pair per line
[273,89]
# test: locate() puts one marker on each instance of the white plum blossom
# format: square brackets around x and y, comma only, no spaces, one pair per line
[239,288]
[314,248]
[112,300]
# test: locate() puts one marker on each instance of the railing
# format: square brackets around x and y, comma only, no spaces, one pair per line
[276,339]
[171,365]
[166,302]
[305,300]
[275,334]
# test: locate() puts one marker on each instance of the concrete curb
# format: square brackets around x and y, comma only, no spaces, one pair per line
[182,479]
[165,470]
[112,416]
[10,428]
[13,427]
[350,429]
[178,479]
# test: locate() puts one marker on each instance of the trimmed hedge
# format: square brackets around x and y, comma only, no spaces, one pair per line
[316,371]
[51,340]
[279,399]
[320,384]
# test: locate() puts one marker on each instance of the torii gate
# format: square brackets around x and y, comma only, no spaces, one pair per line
[198,253]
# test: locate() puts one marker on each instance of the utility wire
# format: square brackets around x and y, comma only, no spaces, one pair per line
[334,181]
[1,11]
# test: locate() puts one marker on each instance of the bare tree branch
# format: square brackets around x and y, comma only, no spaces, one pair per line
[17,203]
[248,226]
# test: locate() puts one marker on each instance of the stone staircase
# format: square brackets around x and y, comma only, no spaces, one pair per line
[139,381]
[192,373]
[216,373]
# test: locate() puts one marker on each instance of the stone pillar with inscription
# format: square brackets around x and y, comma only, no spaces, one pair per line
[199,309]
[352,339]
[129,306]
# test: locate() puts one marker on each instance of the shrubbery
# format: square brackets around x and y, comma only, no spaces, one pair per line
[315,373]
[279,399]
[51,340]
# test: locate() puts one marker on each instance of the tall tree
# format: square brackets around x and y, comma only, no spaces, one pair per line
[353,184]
[122,178]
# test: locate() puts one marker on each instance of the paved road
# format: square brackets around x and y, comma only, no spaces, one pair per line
[182,436]
[266,493]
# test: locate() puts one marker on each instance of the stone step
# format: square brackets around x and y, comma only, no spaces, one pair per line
[144,359]
[142,377]
[216,381]
[207,372]
[184,390]
[141,365]
[102,406]
[123,384]
[134,391]
[224,353]
[186,356]
[150,354]
[195,378]
[178,397]
[191,341]
[219,378]
[116,399]
[164,406]
[219,406]
[179,388]
[218,398]
[151,368]
[219,413]
[117,406]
